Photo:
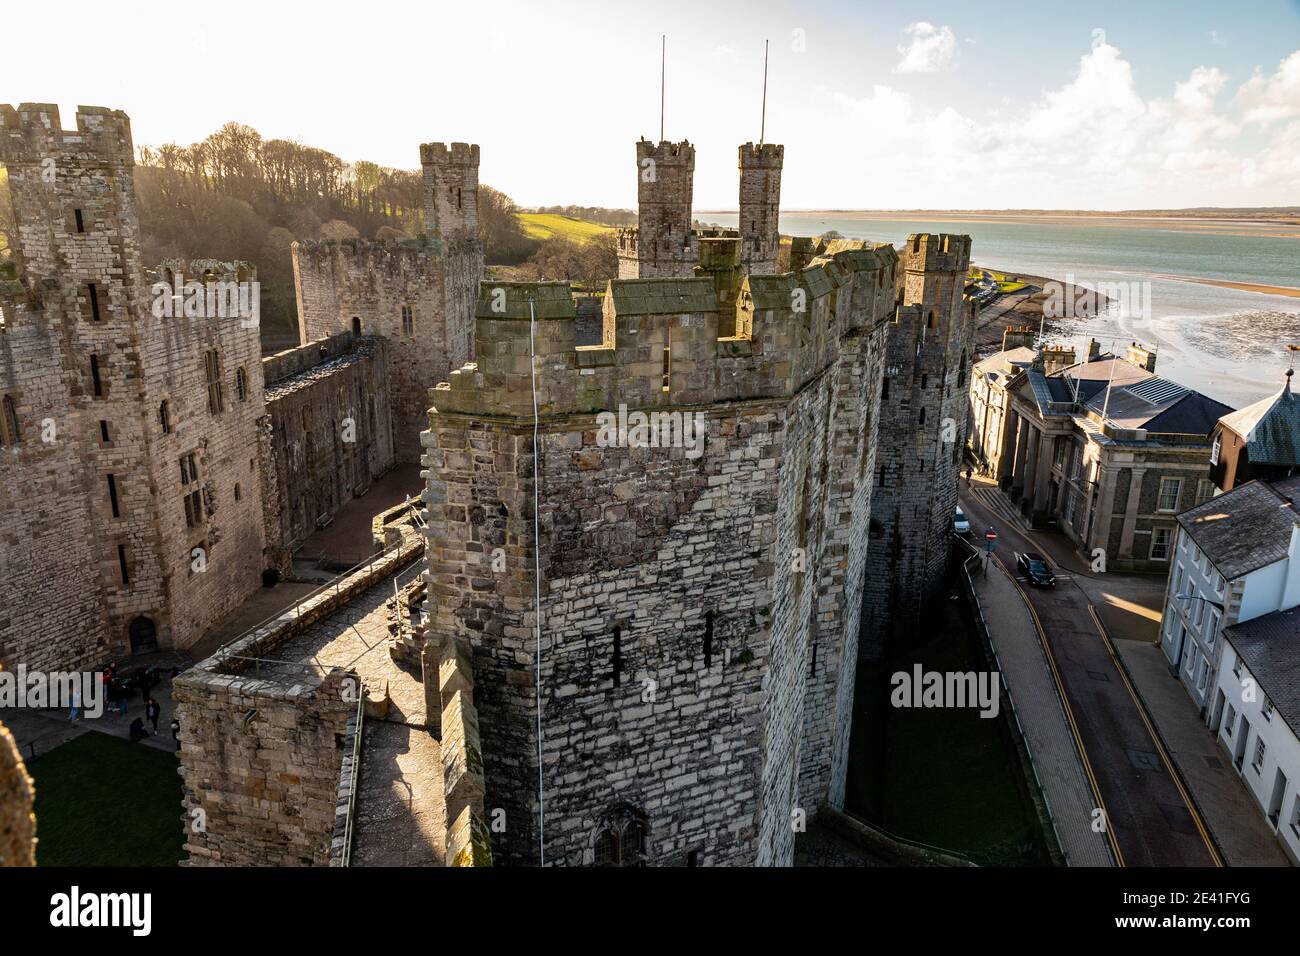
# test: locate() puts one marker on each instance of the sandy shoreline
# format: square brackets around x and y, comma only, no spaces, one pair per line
[1283,290]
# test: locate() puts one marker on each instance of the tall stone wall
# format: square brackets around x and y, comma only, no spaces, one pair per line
[213,560]
[922,431]
[353,284]
[665,183]
[331,432]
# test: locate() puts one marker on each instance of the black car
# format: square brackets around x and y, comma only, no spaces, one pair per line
[1033,567]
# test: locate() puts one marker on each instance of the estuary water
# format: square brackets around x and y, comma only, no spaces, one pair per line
[1230,344]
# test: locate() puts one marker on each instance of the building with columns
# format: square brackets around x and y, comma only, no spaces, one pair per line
[1104,449]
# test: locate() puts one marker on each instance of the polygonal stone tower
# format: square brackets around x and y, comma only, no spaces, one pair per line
[922,431]
[450,189]
[760,205]
[661,245]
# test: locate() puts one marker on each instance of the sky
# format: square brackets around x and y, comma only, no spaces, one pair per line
[880,105]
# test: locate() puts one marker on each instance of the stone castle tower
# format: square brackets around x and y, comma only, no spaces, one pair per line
[418,293]
[760,206]
[664,245]
[700,593]
[922,432]
[133,437]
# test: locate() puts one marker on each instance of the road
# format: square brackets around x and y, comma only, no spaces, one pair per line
[1152,821]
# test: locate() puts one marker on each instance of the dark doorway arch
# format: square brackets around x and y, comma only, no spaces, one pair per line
[144,635]
[356,325]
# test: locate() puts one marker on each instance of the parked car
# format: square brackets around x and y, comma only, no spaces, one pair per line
[1035,569]
[960,523]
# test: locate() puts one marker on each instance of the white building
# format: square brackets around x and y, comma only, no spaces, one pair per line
[1231,633]
[1258,716]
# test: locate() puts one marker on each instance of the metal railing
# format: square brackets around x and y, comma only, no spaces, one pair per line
[349,820]
[294,611]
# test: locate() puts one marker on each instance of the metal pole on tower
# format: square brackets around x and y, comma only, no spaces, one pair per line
[762,126]
[663,71]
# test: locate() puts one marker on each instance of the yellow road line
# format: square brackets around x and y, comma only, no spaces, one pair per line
[1160,747]
[1069,715]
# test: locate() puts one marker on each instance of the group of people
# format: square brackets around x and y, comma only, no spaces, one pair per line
[117,690]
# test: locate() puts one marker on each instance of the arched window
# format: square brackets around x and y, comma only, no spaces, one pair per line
[165,416]
[9,423]
[622,839]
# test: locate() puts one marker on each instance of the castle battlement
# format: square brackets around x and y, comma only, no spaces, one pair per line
[666,153]
[666,342]
[765,155]
[33,133]
[391,256]
[457,154]
[936,252]
[200,270]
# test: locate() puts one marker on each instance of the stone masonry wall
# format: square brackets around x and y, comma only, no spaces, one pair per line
[649,556]
[332,435]
[922,429]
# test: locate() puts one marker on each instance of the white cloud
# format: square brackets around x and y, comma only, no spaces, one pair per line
[929,50]
[1267,99]
[1093,142]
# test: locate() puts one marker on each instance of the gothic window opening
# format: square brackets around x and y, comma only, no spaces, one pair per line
[79,222]
[241,384]
[212,369]
[96,385]
[121,563]
[165,416]
[617,660]
[93,293]
[408,320]
[356,325]
[708,638]
[112,496]
[103,431]
[622,839]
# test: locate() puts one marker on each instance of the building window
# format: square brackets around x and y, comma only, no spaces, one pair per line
[212,369]
[78,222]
[165,416]
[1169,489]
[1236,667]
[1260,749]
[622,841]
[1214,449]
[1205,674]
[238,494]
[708,638]
[93,294]
[1204,490]
[112,496]
[121,563]
[193,499]
[8,422]
[1266,708]
[96,385]
[616,660]
[241,384]
[1160,544]
[408,320]
[884,389]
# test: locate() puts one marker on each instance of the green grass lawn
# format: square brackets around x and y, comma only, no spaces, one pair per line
[548,225]
[103,801]
[944,777]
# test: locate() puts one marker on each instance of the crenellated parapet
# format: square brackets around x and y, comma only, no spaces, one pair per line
[33,134]
[936,252]
[667,342]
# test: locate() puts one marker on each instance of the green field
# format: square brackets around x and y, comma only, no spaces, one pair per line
[1006,283]
[947,778]
[548,226]
[103,801]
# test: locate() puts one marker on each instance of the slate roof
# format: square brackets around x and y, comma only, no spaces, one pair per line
[1270,428]
[1005,364]
[1247,528]
[1269,646]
